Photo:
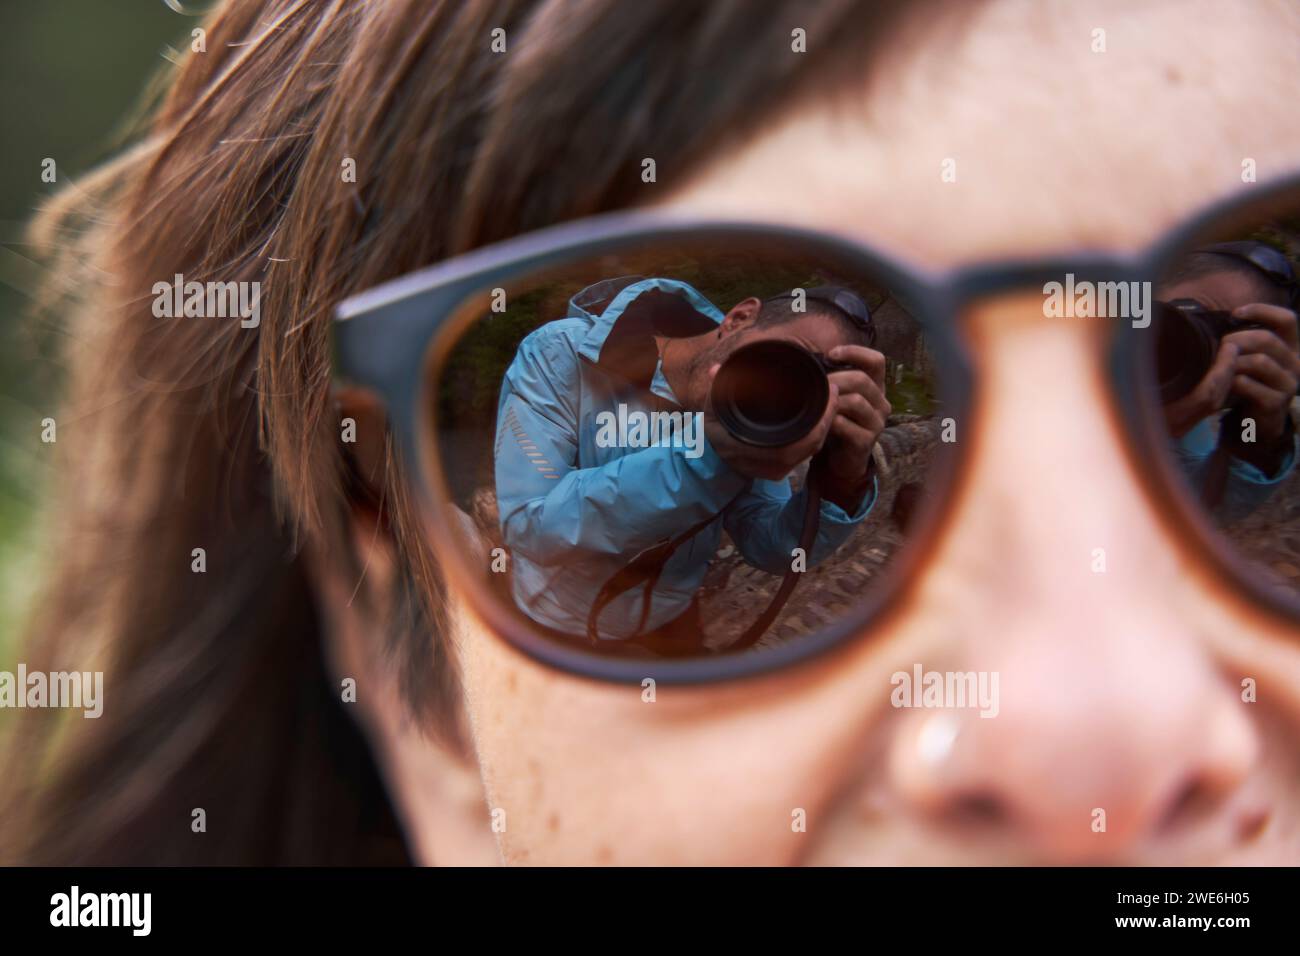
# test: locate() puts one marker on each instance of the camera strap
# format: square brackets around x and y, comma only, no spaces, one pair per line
[807,535]
[644,571]
[647,567]
[1216,469]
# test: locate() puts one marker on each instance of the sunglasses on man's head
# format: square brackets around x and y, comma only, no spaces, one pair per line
[1271,262]
[843,301]
[622,488]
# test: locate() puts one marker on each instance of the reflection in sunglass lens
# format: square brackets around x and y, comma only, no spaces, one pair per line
[650,459]
[1226,366]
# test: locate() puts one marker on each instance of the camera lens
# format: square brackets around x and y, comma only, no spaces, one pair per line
[594,512]
[1185,348]
[770,393]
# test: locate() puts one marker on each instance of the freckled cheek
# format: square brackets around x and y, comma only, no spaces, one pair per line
[579,772]
[542,740]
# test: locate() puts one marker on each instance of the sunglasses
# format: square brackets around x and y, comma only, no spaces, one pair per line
[1271,262]
[556,399]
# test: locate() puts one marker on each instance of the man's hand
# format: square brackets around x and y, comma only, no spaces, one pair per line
[1258,368]
[861,413]
[1267,374]
[1208,397]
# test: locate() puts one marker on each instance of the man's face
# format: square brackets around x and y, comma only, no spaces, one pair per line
[1119,691]
[815,331]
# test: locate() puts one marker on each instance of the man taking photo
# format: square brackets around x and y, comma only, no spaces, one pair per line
[578,510]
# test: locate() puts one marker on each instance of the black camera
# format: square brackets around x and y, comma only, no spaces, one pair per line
[1186,342]
[771,393]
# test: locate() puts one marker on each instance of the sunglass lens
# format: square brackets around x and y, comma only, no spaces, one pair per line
[644,450]
[1225,367]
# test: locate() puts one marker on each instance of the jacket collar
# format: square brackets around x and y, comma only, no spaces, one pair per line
[632,311]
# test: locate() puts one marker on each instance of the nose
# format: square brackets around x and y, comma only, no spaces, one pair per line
[1109,727]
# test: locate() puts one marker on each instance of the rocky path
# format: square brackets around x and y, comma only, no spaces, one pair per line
[734,593]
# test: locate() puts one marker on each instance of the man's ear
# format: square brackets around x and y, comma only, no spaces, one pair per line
[742,315]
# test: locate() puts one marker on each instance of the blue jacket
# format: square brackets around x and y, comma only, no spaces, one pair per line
[575,511]
[1247,487]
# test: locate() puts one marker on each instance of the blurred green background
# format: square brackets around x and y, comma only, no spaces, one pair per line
[71,75]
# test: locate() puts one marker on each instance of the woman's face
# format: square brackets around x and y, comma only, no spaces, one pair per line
[1118,691]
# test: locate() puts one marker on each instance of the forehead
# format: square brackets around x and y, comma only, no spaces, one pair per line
[1226,288]
[817,329]
[1009,128]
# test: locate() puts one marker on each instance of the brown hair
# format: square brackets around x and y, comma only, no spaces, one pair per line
[188,433]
